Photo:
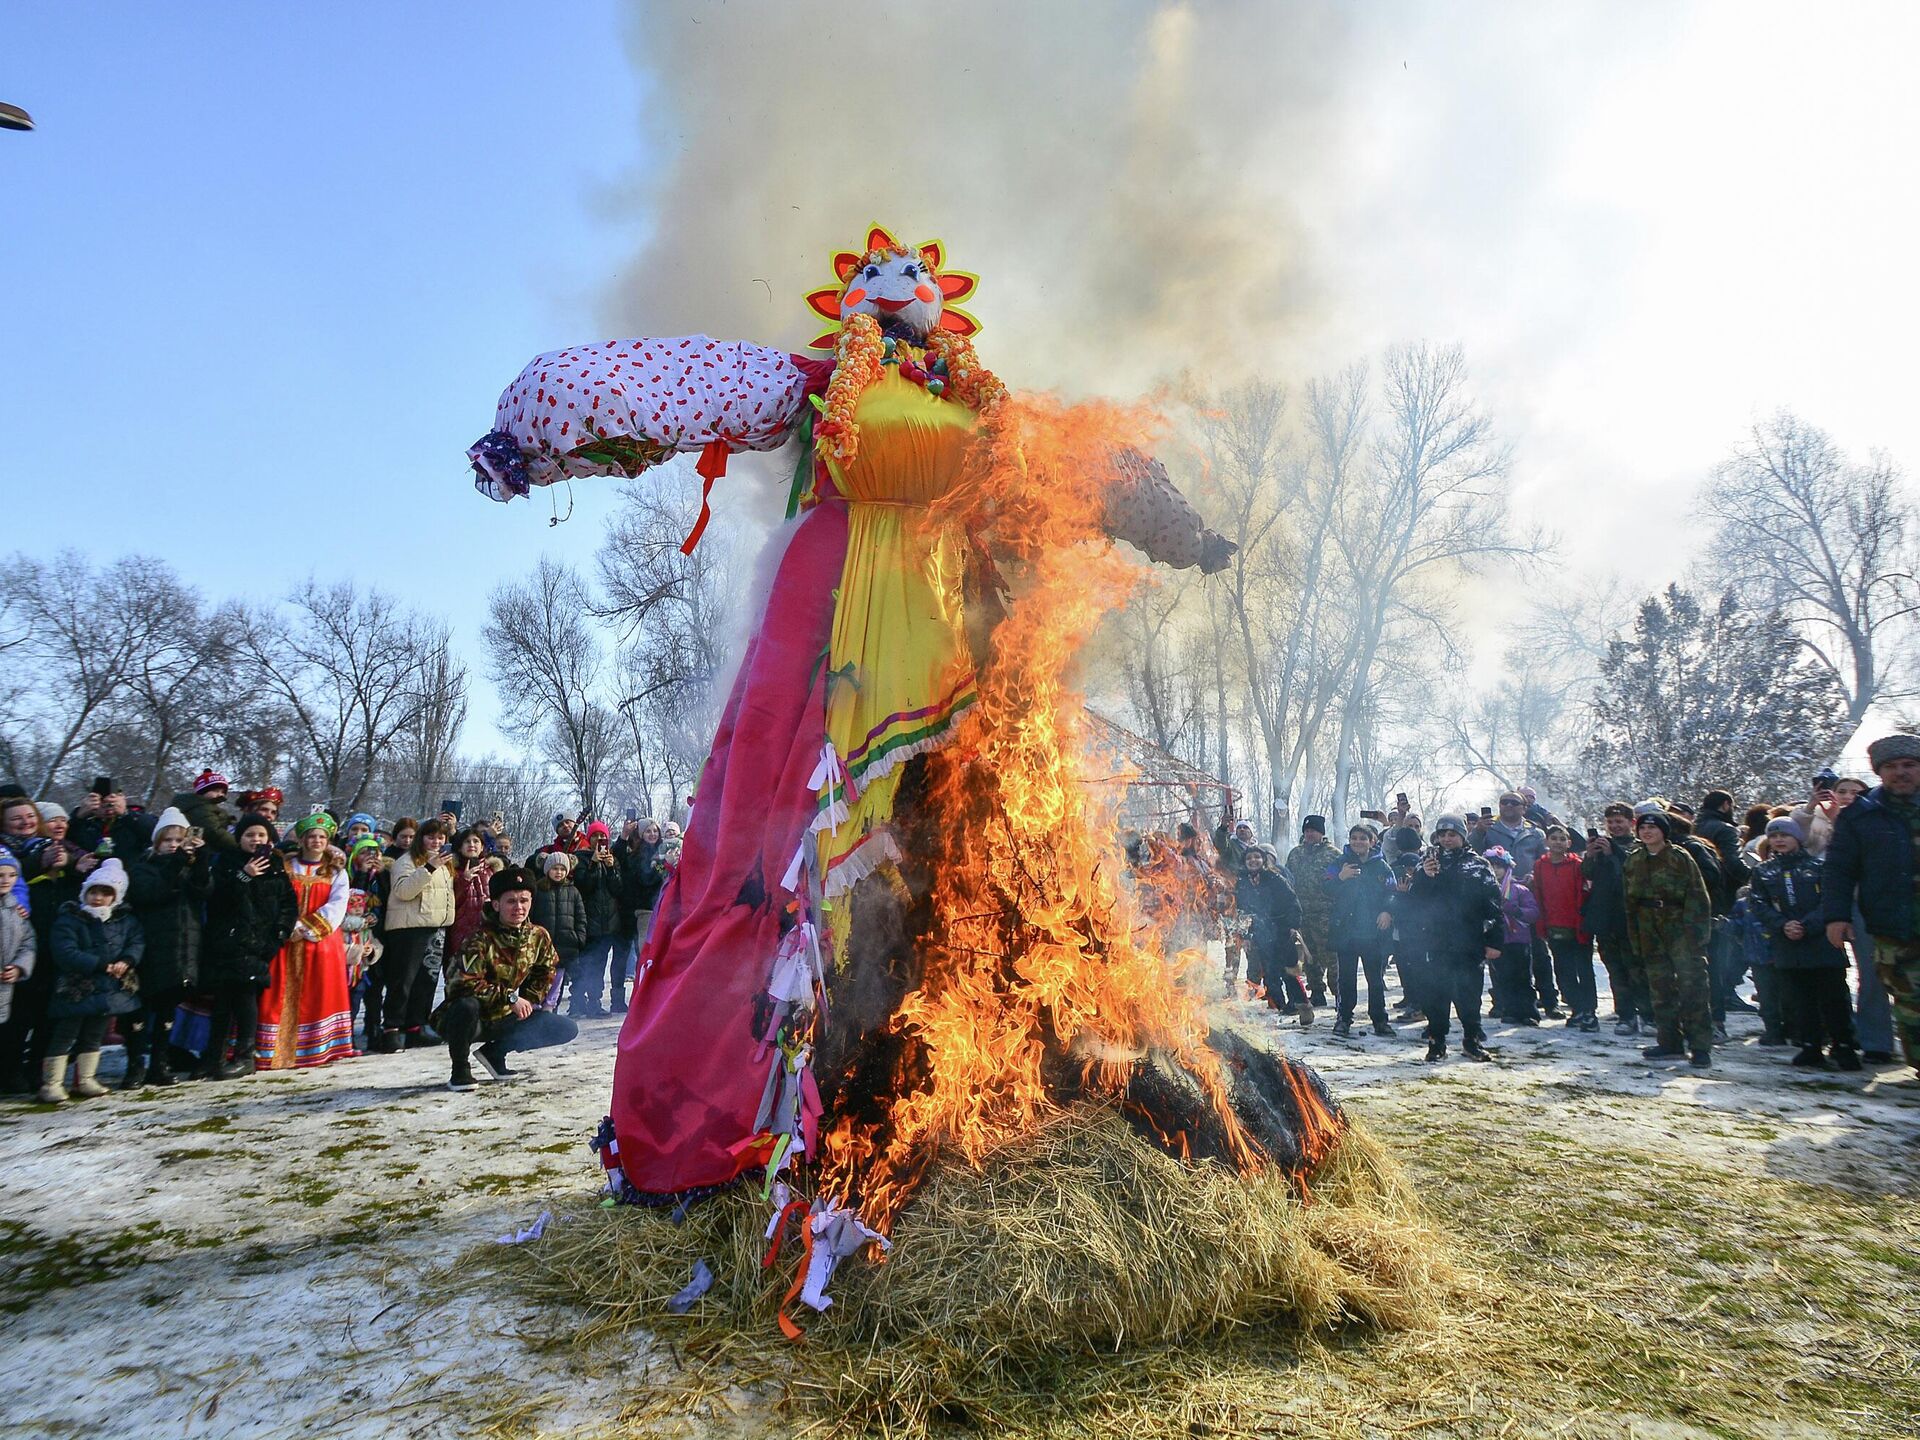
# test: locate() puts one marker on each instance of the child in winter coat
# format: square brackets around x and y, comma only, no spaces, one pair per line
[559,909]
[16,935]
[1812,975]
[1513,998]
[97,945]
[169,886]
[366,910]
[1756,948]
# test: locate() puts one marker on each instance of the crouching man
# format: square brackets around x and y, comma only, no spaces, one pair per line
[498,984]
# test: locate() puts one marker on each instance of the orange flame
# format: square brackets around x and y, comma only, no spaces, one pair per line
[1037,950]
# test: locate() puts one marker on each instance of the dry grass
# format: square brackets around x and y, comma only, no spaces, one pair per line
[1078,1279]
[1596,1293]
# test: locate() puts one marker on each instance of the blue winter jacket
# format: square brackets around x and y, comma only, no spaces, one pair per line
[1871,850]
[1358,903]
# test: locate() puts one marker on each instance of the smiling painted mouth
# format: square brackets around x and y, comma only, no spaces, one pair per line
[892,307]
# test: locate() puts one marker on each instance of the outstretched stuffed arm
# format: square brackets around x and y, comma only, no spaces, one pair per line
[624,406]
[1144,508]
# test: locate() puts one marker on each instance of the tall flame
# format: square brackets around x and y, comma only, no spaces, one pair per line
[1036,951]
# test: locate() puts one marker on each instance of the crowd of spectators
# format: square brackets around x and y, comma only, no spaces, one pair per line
[211,943]
[1679,904]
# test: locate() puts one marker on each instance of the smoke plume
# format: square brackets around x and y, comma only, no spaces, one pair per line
[1119,176]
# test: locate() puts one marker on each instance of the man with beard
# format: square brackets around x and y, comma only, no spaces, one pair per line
[1459,901]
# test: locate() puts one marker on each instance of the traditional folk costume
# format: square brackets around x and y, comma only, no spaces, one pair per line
[306,1011]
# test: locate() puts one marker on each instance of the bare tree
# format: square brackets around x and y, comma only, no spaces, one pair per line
[426,746]
[1428,514]
[1284,608]
[1831,539]
[673,614]
[107,648]
[550,668]
[348,667]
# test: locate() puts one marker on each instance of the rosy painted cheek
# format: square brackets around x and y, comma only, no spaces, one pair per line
[925,292]
[852,298]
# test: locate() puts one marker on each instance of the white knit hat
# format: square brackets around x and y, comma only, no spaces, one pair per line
[109,873]
[172,817]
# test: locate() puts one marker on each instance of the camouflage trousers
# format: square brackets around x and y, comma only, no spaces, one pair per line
[1898,962]
[1682,999]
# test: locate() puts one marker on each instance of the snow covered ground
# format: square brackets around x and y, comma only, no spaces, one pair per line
[242,1259]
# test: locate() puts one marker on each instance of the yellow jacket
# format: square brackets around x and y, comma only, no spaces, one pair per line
[419,898]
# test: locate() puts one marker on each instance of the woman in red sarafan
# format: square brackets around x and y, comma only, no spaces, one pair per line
[306,1013]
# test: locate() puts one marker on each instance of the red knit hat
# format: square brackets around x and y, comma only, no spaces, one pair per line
[210,780]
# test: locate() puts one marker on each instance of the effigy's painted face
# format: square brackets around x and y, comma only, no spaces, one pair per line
[897,290]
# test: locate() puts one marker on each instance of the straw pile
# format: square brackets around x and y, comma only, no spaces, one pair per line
[1012,1292]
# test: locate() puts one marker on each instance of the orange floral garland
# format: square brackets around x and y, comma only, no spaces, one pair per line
[859,354]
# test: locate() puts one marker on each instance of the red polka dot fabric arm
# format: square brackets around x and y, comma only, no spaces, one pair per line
[624,406]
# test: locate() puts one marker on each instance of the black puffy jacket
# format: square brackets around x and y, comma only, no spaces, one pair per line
[1462,905]
[601,887]
[168,894]
[248,920]
[559,910]
[83,947]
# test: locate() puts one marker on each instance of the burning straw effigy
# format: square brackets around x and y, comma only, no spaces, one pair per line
[900,1026]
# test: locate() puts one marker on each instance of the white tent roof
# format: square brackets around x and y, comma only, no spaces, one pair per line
[1852,759]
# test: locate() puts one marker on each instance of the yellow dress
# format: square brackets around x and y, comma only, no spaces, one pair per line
[902,674]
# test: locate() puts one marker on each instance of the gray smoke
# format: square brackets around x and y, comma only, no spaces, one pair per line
[1118,175]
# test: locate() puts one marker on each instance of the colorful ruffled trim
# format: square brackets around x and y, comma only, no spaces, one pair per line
[875,849]
[899,738]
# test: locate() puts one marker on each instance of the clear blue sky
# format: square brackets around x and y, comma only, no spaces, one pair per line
[265,268]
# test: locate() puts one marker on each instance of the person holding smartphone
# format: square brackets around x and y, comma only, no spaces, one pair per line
[1466,928]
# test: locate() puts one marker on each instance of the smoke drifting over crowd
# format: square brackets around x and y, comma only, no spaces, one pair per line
[1122,187]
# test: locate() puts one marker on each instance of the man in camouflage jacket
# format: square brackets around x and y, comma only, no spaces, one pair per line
[498,985]
[1669,923]
[1309,866]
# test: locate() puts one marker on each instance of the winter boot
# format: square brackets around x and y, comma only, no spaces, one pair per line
[160,1070]
[1436,1049]
[53,1075]
[1626,1025]
[1306,1016]
[1343,1029]
[1663,1051]
[1811,1057]
[136,1075]
[85,1067]
[1846,1057]
[462,1077]
[1474,1050]
[1701,1059]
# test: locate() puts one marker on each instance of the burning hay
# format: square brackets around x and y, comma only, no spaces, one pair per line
[1013,1289]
